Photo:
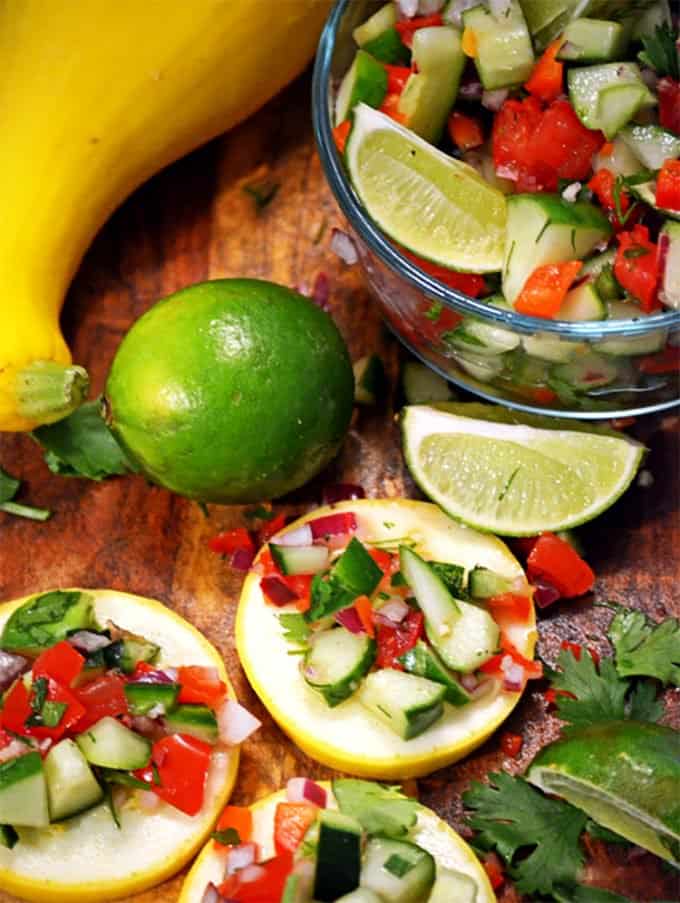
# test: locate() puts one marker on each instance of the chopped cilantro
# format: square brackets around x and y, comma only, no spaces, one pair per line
[156,775]
[229,837]
[295,628]
[660,52]
[39,694]
[381,809]
[398,866]
[645,649]
[52,713]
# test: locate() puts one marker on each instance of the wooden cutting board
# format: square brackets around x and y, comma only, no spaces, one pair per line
[196,221]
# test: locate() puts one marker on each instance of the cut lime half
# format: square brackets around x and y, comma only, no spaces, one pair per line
[625,775]
[432,204]
[515,479]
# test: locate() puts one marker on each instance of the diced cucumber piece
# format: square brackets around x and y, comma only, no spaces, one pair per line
[361,895]
[369,379]
[483,369]
[23,792]
[452,576]
[493,339]
[599,262]
[406,703]
[110,744]
[143,697]
[606,97]
[196,720]
[607,285]
[45,620]
[590,371]
[484,583]
[593,41]
[547,347]
[424,662]
[430,93]
[583,303]
[135,649]
[423,386]
[434,599]
[292,560]
[646,191]
[338,855]
[71,786]
[400,872]
[375,25]
[504,56]
[670,291]
[522,370]
[336,662]
[8,837]
[381,810]
[634,345]
[356,570]
[651,144]
[364,82]
[544,228]
[547,18]
[378,36]
[619,160]
[646,21]
[450,886]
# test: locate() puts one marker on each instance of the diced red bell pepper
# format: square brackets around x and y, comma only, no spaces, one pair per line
[301,586]
[200,685]
[564,143]
[395,641]
[390,107]
[291,823]
[406,27]
[271,527]
[545,81]
[382,558]
[668,185]
[509,608]
[341,134]
[465,131]
[182,764]
[17,710]
[267,887]
[533,670]
[240,818]
[603,185]
[232,541]
[555,561]
[100,697]
[5,739]
[668,92]
[666,361]
[545,289]
[637,266]
[511,744]
[61,662]
[494,870]
[397,76]
[470,283]
[513,129]
[364,610]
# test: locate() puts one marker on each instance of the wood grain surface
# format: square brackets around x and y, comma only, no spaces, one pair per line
[194,222]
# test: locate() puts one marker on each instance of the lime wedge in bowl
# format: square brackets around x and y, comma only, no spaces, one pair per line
[515,479]
[625,775]
[432,204]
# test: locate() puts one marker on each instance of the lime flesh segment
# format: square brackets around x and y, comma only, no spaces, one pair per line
[430,203]
[625,775]
[513,479]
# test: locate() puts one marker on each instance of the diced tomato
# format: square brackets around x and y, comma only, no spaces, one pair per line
[182,764]
[509,608]
[341,134]
[668,185]
[564,143]
[390,107]
[267,887]
[382,558]
[668,92]
[513,129]
[364,610]
[291,822]
[100,697]
[201,685]
[545,289]
[545,81]
[61,662]
[666,361]
[465,131]
[266,564]
[397,76]
[232,541]
[240,818]
[395,641]
[637,266]
[17,710]
[494,870]
[271,527]
[406,27]
[470,283]
[555,561]
[511,744]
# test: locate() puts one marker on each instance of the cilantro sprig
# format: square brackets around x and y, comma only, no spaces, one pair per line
[660,51]
[645,649]
[9,486]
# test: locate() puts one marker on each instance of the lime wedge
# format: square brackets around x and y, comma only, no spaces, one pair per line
[432,204]
[512,478]
[625,775]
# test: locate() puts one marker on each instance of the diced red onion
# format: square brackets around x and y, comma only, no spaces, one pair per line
[513,674]
[173,673]
[321,291]
[302,790]
[343,522]
[11,667]
[154,677]
[147,727]
[211,895]
[88,641]
[453,14]
[494,100]
[235,723]
[485,688]
[276,591]
[14,750]
[407,8]
[469,681]
[148,801]
[340,492]
[545,594]
[472,90]
[240,857]
[507,172]
[394,611]
[570,193]
[241,559]
[301,536]
[350,620]
[343,245]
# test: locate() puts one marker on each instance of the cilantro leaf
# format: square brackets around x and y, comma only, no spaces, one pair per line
[328,595]
[643,704]
[227,837]
[511,816]
[8,486]
[380,809]
[599,696]
[295,629]
[660,53]
[643,648]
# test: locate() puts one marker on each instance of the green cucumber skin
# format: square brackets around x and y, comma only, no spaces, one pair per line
[423,661]
[338,856]
[365,82]
[593,41]
[71,785]
[356,570]
[389,48]
[142,697]
[338,690]
[197,720]
[484,583]
[110,744]
[389,706]
[588,85]
[504,55]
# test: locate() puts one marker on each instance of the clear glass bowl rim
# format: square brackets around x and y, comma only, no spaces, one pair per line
[373,237]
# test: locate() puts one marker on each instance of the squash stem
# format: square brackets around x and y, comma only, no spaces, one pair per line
[47,391]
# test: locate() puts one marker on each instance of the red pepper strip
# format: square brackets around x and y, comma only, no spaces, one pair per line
[469,283]
[199,685]
[240,818]
[61,662]
[407,27]
[100,697]
[668,185]
[668,92]
[364,610]
[267,888]
[270,528]
[545,289]
[382,559]
[397,76]
[545,81]
[465,131]
[533,670]
[555,560]
[666,361]
[395,641]
[510,607]
[494,870]
[341,134]
[511,744]
[182,764]
[231,541]
[390,107]
[637,266]
[291,823]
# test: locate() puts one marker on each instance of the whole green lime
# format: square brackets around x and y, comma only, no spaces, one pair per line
[232,391]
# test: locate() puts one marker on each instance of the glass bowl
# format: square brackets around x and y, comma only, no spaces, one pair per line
[602,369]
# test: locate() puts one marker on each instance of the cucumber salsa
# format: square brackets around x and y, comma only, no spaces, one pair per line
[570,113]
[377,622]
[89,717]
